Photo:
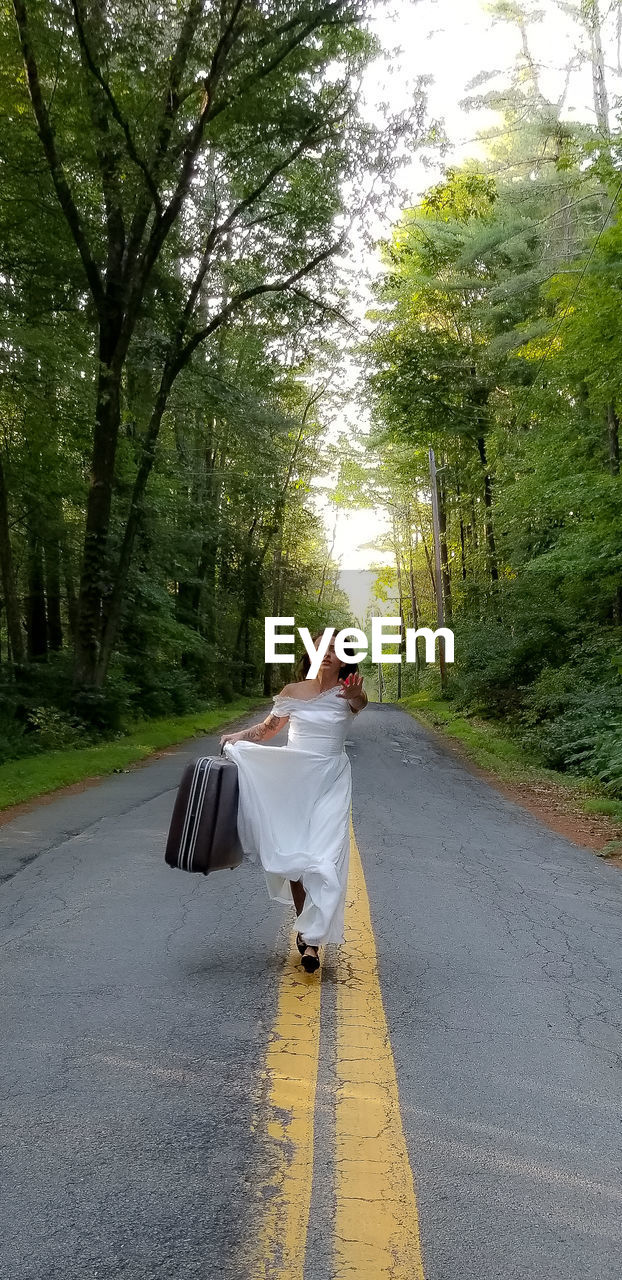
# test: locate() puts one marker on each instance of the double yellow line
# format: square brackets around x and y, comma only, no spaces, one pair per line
[376,1228]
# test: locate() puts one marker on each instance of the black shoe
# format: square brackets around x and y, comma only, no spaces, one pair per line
[312,962]
[302,946]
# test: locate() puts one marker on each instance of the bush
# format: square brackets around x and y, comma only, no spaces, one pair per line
[54,729]
[557,685]
[164,692]
[101,709]
[586,738]
[13,739]
[225,690]
[573,713]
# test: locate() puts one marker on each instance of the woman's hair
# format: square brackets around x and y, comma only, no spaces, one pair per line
[346,669]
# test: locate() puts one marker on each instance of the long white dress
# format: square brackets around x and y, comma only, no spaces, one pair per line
[294,809]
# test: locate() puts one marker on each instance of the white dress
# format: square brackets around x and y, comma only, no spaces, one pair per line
[294,809]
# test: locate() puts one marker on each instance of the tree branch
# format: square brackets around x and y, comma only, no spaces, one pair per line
[326,308]
[174,364]
[116,111]
[217,231]
[57,172]
[238,300]
[106,147]
[171,106]
[321,17]
[164,222]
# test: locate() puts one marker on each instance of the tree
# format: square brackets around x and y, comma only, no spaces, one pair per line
[183,154]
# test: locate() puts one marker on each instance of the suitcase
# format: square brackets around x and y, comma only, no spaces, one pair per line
[203,834]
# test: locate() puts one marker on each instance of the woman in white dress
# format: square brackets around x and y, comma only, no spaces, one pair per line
[294,805]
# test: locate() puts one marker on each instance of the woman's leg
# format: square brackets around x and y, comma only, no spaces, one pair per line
[298,894]
[310,954]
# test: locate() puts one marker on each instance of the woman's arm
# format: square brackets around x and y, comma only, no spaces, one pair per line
[352,690]
[357,704]
[267,728]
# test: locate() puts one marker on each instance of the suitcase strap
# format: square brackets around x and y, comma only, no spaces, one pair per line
[187,843]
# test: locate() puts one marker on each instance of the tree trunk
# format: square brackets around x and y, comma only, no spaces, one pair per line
[462,536]
[428,558]
[9,587]
[326,563]
[613,432]
[247,662]
[490,537]
[593,21]
[52,585]
[111,616]
[36,619]
[401,602]
[215,460]
[462,550]
[89,669]
[473,527]
[445,574]
[413,604]
[70,589]
[277,582]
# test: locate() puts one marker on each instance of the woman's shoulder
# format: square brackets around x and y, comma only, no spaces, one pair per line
[290,690]
[284,695]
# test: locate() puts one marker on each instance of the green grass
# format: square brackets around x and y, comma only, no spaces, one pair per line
[37,775]
[490,747]
[611,808]
[485,743]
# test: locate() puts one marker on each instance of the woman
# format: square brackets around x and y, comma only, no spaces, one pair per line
[294,807]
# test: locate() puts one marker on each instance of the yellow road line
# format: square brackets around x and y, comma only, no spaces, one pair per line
[285,1120]
[377,1223]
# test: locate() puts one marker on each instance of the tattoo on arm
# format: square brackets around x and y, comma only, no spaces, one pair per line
[266,729]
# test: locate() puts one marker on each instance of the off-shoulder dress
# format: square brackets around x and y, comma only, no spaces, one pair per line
[294,809]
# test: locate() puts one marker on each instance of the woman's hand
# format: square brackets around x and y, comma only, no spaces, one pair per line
[352,690]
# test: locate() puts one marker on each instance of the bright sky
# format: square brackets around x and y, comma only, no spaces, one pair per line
[451,41]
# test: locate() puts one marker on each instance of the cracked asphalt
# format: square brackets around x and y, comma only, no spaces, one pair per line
[138,1002]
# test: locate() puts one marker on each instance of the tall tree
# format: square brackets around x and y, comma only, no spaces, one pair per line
[183,152]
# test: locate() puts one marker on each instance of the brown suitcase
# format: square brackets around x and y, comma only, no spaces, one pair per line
[203,835]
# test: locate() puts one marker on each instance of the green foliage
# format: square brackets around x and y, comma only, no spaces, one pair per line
[496,341]
[161,389]
[54,729]
[21,780]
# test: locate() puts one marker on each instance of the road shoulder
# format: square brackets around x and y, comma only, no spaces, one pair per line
[556,804]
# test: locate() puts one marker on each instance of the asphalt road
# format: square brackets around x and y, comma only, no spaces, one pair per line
[139,1004]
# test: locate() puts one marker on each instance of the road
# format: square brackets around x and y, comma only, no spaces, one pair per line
[179,1100]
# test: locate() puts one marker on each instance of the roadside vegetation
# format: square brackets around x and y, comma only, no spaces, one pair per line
[178,188]
[495,341]
[492,747]
[179,329]
[36,775]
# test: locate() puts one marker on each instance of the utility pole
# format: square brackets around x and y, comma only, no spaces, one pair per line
[413,597]
[438,582]
[397,550]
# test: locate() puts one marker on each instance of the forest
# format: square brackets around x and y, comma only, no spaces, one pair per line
[497,341]
[168,313]
[181,187]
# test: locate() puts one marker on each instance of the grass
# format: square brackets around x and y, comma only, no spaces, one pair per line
[37,775]
[492,748]
[485,742]
[611,808]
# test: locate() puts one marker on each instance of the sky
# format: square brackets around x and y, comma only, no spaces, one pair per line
[451,42]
